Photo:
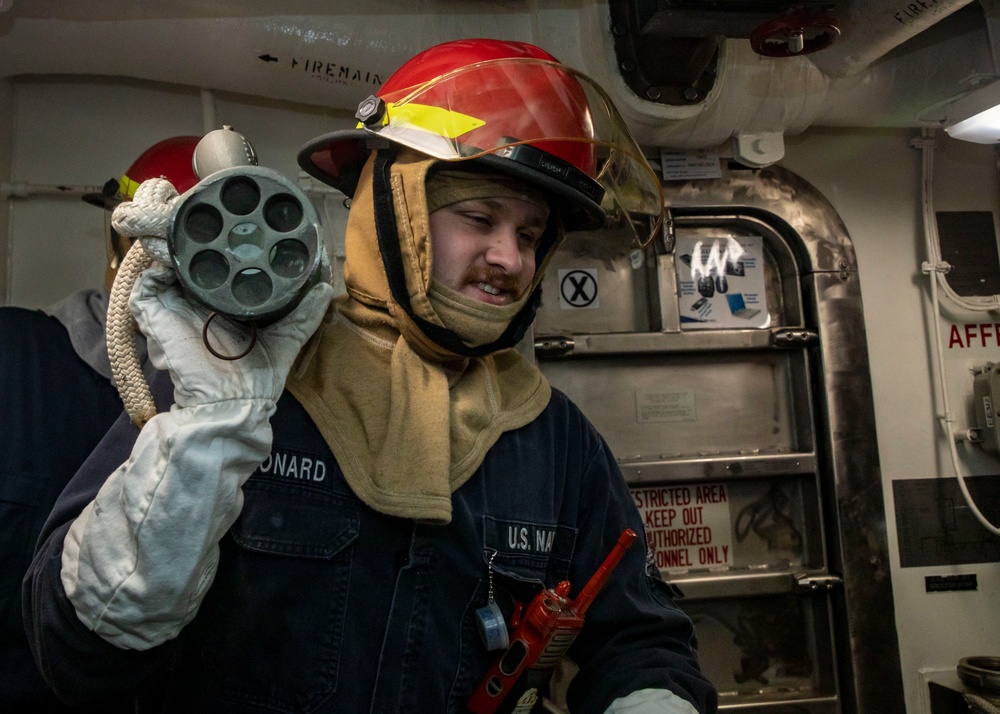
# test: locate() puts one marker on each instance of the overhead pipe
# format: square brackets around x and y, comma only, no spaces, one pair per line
[905,89]
[870,29]
[327,60]
[26,190]
[991,12]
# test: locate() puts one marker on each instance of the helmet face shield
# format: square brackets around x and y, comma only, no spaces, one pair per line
[537,115]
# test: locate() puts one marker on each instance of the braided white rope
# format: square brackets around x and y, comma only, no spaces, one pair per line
[125,364]
[146,218]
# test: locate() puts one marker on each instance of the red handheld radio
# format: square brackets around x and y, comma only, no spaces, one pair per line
[541,637]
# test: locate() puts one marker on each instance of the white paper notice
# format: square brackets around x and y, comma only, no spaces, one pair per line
[660,407]
[687,166]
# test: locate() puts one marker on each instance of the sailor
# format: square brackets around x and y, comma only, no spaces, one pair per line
[177,568]
[57,400]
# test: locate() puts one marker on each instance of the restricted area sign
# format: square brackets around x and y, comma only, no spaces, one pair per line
[687,526]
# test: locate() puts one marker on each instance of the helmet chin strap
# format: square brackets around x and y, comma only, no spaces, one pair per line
[392,260]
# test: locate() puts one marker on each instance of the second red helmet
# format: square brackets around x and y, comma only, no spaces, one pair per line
[170,159]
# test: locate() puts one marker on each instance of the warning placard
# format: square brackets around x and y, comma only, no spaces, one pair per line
[687,526]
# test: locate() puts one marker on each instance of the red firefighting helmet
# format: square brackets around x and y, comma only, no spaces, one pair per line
[170,159]
[505,106]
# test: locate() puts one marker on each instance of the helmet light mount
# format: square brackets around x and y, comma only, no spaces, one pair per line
[371,111]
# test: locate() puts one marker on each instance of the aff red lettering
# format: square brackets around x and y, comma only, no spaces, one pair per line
[984,334]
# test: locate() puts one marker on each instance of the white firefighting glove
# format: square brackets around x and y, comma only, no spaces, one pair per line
[139,559]
[651,701]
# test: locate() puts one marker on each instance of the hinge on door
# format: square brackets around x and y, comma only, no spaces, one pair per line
[816,583]
[668,235]
[554,346]
[792,338]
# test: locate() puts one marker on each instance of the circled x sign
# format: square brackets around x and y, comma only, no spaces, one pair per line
[579,288]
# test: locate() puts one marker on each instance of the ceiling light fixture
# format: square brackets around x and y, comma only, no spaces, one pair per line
[975,116]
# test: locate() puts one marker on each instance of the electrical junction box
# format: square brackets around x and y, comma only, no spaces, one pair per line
[986,393]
